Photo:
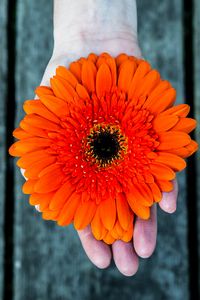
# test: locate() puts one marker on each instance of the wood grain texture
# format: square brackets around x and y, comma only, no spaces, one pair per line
[3,89]
[49,261]
[160,35]
[197,108]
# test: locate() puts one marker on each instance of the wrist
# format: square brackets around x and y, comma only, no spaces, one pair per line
[96,26]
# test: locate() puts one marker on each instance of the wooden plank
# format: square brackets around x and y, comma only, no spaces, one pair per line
[47,257]
[197,110]
[3,85]
[160,24]
[49,262]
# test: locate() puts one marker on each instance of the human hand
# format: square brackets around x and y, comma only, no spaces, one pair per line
[145,231]
[124,39]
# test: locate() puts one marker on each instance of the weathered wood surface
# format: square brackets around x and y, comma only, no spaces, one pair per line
[49,261]
[3,86]
[197,109]
[160,35]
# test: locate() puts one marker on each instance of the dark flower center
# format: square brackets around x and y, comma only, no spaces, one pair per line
[105,144]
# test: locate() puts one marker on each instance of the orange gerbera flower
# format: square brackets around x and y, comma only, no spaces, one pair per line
[102,143]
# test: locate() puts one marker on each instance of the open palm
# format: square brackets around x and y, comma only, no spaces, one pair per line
[125,255]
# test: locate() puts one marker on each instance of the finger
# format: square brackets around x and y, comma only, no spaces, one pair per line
[169,200]
[37,207]
[22,172]
[97,251]
[125,258]
[145,234]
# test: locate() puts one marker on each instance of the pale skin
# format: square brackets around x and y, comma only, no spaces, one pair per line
[81,27]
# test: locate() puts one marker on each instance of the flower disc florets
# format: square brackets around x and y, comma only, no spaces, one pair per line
[105,145]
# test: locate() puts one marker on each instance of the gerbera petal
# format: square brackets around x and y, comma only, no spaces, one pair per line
[123,211]
[164,123]
[55,105]
[67,75]
[114,233]
[157,195]
[102,59]
[22,147]
[143,68]
[145,192]
[43,90]
[35,131]
[186,151]
[37,198]
[66,215]
[148,177]
[50,168]
[173,161]
[93,57]
[68,86]
[21,134]
[32,157]
[142,194]
[81,91]
[128,235]
[141,211]
[126,72]
[36,107]
[85,196]
[182,152]
[103,80]
[185,124]
[180,110]
[162,172]
[28,186]
[33,170]
[120,59]
[60,90]
[162,102]
[84,214]
[61,196]
[108,239]
[43,204]
[113,69]
[108,213]
[150,81]
[162,86]
[192,147]
[117,229]
[165,185]
[50,181]
[40,122]
[50,215]
[173,139]
[98,229]
[88,75]
[75,68]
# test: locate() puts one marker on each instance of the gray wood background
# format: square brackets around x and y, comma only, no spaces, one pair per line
[196,25]
[48,261]
[3,87]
